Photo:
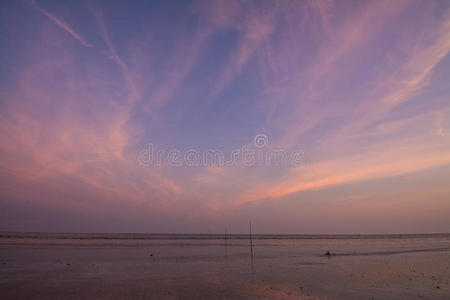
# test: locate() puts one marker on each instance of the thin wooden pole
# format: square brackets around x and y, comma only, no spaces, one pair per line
[225,237]
[251,239]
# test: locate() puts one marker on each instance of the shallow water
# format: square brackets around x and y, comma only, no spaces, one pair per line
[123,266]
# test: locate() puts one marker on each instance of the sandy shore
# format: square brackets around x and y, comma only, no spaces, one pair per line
[126,268]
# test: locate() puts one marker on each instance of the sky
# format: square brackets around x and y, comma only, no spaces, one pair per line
[304,117]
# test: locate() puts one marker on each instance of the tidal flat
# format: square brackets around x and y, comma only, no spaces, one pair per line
[141,266]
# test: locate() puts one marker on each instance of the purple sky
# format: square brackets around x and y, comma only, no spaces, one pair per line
[358,89]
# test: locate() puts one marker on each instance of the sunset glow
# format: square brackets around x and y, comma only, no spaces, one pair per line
[356,94]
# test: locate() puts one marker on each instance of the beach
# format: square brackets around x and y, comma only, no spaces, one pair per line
[127,266]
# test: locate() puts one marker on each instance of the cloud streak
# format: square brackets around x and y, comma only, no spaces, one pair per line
[62,25]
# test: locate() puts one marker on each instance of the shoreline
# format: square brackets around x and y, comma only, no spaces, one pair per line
[203,236]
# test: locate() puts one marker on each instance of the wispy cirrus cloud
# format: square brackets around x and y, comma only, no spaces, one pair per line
[407,81]
[358,87]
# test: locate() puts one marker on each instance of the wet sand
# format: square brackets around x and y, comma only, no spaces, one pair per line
[68,266]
